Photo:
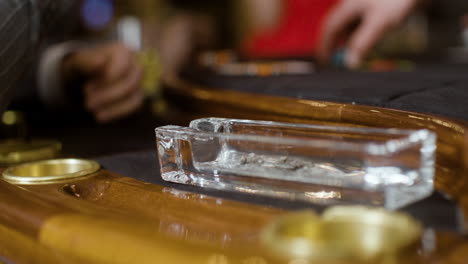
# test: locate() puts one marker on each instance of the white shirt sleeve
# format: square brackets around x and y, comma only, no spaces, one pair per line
[50,83]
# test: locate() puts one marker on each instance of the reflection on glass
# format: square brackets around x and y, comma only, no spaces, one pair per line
[323,195]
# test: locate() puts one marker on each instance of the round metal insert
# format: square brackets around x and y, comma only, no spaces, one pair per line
[50,171]
[18,151]
[344,234]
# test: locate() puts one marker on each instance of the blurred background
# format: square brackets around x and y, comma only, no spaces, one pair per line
[179,30]
[232,37]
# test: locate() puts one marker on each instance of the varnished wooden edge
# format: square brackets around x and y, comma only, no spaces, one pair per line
[301,108]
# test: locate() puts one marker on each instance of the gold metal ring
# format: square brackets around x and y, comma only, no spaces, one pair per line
[50,171]
[18,151]
[345,234]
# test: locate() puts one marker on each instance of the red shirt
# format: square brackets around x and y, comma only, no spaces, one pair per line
[297,33]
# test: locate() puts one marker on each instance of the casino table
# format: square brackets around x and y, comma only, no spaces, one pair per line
[126,213]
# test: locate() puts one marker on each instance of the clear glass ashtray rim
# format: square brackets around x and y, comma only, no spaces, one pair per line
[410,137]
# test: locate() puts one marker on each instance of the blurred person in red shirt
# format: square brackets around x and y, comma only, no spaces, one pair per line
[315,27]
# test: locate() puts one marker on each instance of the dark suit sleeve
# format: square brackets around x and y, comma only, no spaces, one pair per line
[23,23]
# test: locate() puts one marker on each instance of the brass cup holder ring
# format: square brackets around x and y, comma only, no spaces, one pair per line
[50,171]
[17,151]
[343,234]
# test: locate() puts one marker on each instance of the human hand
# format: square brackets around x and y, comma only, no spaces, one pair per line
[112,80]
[376,17]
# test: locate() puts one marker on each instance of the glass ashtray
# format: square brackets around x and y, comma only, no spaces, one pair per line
[320,164]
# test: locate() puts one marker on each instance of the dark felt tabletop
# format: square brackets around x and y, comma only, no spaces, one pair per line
[430,88]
